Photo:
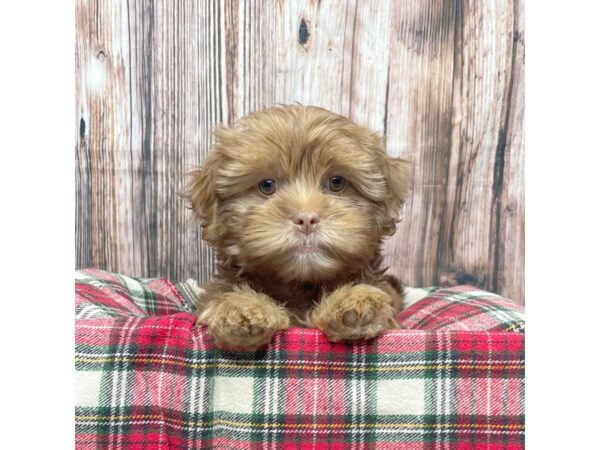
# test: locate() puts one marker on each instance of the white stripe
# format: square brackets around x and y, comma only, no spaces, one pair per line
[80,276]
[135,288]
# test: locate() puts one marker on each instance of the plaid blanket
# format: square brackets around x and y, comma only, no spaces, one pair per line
[147,378]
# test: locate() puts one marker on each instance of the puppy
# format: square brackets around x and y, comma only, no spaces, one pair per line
[296,201]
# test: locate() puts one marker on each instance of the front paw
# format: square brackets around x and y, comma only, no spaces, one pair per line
[243,320]
[354,312]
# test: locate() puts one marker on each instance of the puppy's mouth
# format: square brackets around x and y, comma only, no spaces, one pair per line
[307,250]
[310,245]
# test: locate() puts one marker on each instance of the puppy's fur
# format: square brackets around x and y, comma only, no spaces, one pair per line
[297,250]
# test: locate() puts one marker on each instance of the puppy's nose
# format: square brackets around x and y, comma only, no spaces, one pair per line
[307,222]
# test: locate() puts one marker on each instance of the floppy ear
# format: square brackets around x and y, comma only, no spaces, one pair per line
[400,175]
[200,193]
[399,181]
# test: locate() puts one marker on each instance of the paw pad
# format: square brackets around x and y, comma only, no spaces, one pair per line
[353,319]
[367,317]
[350,318]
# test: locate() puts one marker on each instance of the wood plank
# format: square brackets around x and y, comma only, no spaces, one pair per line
[103,124]
[418,124]
[483,84]
[314,69]
[509,271]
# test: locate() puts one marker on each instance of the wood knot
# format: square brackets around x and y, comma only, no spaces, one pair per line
[303,33]
[460,277]
[81,128]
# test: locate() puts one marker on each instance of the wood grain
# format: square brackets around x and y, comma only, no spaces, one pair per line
[441,80]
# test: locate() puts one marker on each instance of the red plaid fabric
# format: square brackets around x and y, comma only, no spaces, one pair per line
[463,308]
[147,378]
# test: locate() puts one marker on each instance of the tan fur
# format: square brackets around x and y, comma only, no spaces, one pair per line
[261,264]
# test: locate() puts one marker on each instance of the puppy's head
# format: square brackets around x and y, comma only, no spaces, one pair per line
[298,193]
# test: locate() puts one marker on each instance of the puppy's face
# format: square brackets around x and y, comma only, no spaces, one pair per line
[298,193]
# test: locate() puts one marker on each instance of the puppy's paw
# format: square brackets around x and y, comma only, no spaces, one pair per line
[243,320]
[354,312]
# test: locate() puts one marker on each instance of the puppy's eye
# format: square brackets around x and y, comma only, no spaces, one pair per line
[267,186]
[336,184]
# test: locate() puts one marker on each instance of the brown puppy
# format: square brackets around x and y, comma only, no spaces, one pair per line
[296,200]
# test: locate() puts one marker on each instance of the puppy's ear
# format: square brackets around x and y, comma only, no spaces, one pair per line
[399,181]
[200,192]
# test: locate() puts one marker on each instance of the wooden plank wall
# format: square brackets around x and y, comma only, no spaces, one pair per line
[442,80]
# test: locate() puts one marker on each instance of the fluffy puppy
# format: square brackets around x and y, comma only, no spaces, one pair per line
[296,201]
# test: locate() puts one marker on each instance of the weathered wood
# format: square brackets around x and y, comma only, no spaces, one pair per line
[442,80]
